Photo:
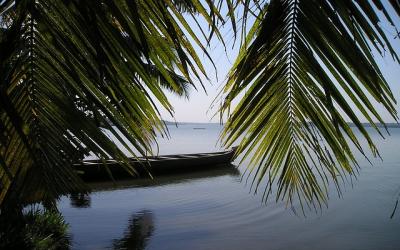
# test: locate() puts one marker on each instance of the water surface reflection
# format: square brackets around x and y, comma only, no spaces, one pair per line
[223,170]
[214,210]
[80,200]
[139,231]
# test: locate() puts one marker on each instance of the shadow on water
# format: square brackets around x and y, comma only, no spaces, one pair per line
[138,233]
[80,200]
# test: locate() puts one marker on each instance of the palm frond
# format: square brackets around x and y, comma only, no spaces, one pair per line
[67,67]
[307,70]
[181,86]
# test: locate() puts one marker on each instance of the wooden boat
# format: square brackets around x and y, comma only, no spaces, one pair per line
[155,165]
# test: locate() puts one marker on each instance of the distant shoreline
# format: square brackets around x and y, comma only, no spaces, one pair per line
[191,123]
[367,125]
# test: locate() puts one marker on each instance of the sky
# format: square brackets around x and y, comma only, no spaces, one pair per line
[198,107]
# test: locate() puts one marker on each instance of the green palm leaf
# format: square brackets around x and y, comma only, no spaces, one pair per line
[308,69]
[67,67]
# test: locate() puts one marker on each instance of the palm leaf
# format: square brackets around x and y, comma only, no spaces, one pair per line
[307,69]
[69,67]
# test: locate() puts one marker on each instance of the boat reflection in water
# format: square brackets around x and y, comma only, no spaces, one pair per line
[221,170]
[140,229]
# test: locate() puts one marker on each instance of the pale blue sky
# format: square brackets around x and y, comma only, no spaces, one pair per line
[197,108]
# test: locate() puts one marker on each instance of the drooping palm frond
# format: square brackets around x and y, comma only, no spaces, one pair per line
[68,66]
[181,86]
[307,70]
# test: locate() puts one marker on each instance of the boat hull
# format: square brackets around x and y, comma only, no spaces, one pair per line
[167,164]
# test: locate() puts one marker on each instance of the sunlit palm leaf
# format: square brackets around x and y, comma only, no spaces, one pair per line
[307,70]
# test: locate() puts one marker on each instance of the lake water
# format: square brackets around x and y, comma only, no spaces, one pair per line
[216,210]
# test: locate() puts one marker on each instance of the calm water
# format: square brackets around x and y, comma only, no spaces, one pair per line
[215,210]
